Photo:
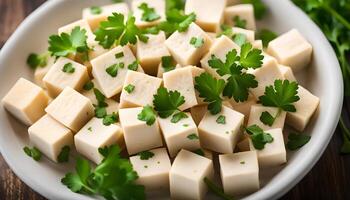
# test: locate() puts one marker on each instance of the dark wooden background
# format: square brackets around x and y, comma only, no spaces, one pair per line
[329,179]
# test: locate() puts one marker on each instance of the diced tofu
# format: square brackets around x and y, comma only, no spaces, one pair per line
[220,48]
[153,172]
[180,135]
[245,12]
[239,173]
[257,110]
[180,47]
[161,70]
[50,136]
[209,15]
[244,107]
[257,44]
[221,137]
[113,85]
[57,79]
[71,109]
[212,35]
[94,19]
[198,113]
[291,49]
[274,153]
[157,5]
[203,152]
[137,134]
[150,54]
[182,81]
[95,135]
[305,107]
[249,34]
[265,75]
[287,73]
[145,87]
[40,72]
[187,174]
[26,101]
[243,145]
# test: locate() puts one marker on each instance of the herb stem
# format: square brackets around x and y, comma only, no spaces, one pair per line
[340,18]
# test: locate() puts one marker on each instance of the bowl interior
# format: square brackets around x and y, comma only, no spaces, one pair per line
[322,78]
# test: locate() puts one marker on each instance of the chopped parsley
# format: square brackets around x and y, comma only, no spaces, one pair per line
[134,65]
[95,10]
[239,39]
[88,86]
[148,115]
[242,162]
[68,68]
[168,63]
[241,23]
[178,116]
[33,152]
[146,155]
[64,154]
[89,129]
[258,136]
[197,42]
[221,119]
[193,136]
[296,141]
[37,60]
[176,20]
[110,119]
[119,55]
[113,69]
[149,14]
[129,88]
[199,152]
[266,36]
[100,112]
[100,98]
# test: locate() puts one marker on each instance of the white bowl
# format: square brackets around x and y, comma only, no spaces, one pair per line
[323,78]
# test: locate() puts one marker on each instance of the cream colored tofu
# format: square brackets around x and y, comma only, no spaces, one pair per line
[239,172]
[265,75]
[209,15]
[40,72]
[180,135]
[150,54]
[112,85]
[187,174]
[243,107]
[137,134]
[161,70]
[244,12]
[243,145]
[257,110]
[257,44]
[50,136]
[291,49]
[204,152]
[219,137]
[182,81]
[212,35]
[220,48]
[306,107]
[153,172]
[198,112]
[274,153]
[94,19]
[249,34]
[145,87]
[183,51]
[71,108]
[56,79]
[287,73]
[157,5]
[95,135]
[26,101]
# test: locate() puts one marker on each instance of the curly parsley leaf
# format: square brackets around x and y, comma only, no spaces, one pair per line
[250,57]
[296,141]
[37,60]
[148,115]
[241,23]
[146,155]
[258,136]
[64,154]
[210,89]
[149,14]
[33,152]
[167,102]
[266,36]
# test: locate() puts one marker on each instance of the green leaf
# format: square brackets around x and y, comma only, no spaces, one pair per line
[68,68]
[193,136]
[168,63]
[282,95]
[113,69]
[100,98]
[100,112]
[199,152]
[110,119]
[221,119]
[146,155]
[129,88]
[259,7]
[174,4]
[149,14]
[95,10]
[166,103]
[88,86]
[217,190]
[266,118]
[119,55]
[239,39]
[266,36]
[148,115]
[241,23]
[178,116]
[250,57]
[134,65]
[33,152]
[34,60]
[197,42]
[176,21]
[258,136]
[296,141]
[64,154]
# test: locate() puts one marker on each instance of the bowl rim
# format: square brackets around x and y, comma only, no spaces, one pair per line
[278,190]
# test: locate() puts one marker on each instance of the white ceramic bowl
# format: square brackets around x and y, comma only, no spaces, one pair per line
[323,78]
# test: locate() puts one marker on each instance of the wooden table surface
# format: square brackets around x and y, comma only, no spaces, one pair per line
[329,178]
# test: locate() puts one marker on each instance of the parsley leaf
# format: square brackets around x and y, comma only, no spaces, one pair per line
[64,154]
[241,23]
[197,42]
[110,119]
[210,89]
[239,39]
[149,14]
[68,68]
[217,190]
[259,7]
[168,63]
[95,10]
[258,136]
[296,141]
[174,4]
[129,88]
[113,69]
[33,152]
[134,65]
[166,103]
[199,152]
[88,86]
[282,95]
[250,57]
[148,115]
[266,36]
[178,116]
[145,155]
[221,119]
[193,136]
[176,21]
[100,112]
[266,118]
[35,60]
[119,55]
[100,98]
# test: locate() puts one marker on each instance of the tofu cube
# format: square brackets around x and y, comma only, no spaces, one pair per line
[274,153]
[249,34]
[257,110]
[50,136]
[306,107]
[209,15]
[180,47]
[198,112]
[57,79]
[287,73]
[221,137]
[157,5]
[26,101]
[221,46]
[258,44]
[239,172]
[40,72]
[180,135]
[95,135]
[145,87]
[150,54]
[291,49]
[244,11]
[153,172]
[137,134]
[243,145]
[162,70]
[182,81]
[187,174]
[112,85]
[243,107]
[94,19]
[71,109]
[112,105]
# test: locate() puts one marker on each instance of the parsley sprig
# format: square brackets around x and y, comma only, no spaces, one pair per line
[37,60]
[258,136]
[149,14]
[148,115]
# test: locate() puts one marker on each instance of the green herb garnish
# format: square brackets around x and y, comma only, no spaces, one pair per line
[95,10]
[148,115]
[33,152]
[296,141]
[64,154]
[146,155]
[197,42]
[129,88]
[221,119]
[258,136]
[68,68]
[149,14]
